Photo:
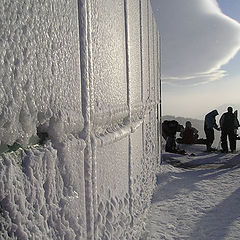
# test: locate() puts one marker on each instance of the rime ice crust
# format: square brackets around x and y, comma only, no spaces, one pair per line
[94,95]
[40,70]
[42,192]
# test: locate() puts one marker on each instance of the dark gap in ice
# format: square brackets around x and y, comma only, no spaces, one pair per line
[43,136]
[40,139]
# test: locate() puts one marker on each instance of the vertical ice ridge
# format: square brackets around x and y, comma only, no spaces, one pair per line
[126,21]
[84,33]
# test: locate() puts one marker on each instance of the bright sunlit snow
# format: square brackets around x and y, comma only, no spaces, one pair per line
[197,198]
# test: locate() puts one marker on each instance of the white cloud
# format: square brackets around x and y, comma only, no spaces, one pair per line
[197,39]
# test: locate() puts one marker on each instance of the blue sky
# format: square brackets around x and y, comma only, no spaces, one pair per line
[200,55]
[232,9]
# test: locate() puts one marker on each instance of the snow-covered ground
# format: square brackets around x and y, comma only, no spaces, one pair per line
[197,197]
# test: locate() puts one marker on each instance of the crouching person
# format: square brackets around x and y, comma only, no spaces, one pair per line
[189,134]
[169,130]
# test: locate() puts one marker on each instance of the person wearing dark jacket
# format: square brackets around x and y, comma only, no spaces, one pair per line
[228,124]
[169,130]
[209,126]
[189,134]
[237,125]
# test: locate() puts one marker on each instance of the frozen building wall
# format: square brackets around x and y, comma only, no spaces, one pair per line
[79,114]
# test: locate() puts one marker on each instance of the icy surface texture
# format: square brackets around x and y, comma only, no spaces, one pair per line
[108,53]
[40,71]
[42,192]
[85,75]
[134,52]
[126,141]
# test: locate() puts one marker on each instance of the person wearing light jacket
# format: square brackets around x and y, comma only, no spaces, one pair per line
[209,126]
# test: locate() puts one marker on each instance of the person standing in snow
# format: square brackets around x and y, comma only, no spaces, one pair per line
[229,125]
[237,125]
[209,125]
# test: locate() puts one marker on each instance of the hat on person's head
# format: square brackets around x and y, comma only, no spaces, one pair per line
[214,112]
[188,124]
[230,109]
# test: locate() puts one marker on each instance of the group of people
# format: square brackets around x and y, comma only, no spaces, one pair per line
[189,135]
[228,126]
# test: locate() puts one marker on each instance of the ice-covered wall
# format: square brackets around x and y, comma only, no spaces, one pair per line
[79,114]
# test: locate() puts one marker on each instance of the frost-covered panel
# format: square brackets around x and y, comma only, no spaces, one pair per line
[151,126]
[150,146]
[160,98]
[150,121]
[142,182]
[155,61]
[113,220]
[40,71]
[155,88]
[144,48]
[112,168]
[151,53]
[112,207]
[136,158]
[108,54]
[158,67]
[133,50]
[42,193]
[136,152]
